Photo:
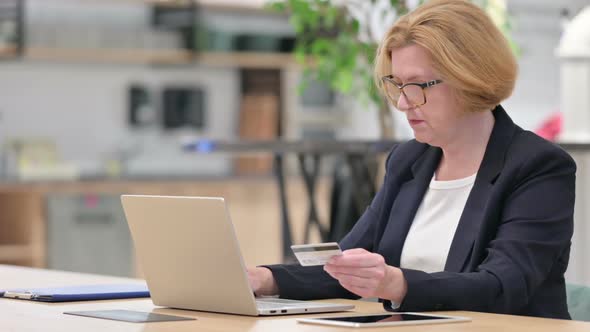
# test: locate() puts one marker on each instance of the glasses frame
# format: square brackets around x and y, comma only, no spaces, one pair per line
[389,79]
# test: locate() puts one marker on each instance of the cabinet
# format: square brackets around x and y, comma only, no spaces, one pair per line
[88,233]
[22,228]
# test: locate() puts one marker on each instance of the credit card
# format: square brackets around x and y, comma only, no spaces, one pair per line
[315,254]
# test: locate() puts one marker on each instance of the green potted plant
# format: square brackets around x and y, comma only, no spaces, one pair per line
[337,41]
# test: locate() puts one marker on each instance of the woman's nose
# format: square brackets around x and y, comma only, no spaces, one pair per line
[403,104]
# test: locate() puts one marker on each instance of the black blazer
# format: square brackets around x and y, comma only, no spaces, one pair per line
[510,249]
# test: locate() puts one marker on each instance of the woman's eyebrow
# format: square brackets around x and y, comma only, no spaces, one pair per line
[411,79]
[415,78]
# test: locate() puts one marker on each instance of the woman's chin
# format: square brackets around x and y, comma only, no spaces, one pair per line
[421,138]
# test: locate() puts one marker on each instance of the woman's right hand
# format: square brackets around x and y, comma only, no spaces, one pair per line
[262,281]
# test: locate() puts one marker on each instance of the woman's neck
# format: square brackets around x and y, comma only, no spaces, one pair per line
[463,157]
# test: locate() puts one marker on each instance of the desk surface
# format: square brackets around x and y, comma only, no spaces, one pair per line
[16,315]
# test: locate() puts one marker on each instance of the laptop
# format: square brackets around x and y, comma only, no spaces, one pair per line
[191,258]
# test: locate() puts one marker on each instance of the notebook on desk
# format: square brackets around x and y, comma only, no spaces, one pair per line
[78,293]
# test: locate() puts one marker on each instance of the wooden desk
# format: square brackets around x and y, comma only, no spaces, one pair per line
[17,315]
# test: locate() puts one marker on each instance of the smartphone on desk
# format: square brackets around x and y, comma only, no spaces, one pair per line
[385,319]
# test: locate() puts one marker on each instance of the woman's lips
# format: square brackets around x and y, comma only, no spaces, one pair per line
[415,122]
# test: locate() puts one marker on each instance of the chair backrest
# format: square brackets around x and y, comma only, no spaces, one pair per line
[578,302]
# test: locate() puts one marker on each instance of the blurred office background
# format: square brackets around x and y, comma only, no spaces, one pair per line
[98,98]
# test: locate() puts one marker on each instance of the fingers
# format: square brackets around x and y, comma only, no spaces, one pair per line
[370,272]
[356,281]
[358,289]
[362,292]
[253,279]
[358,270]
[262,281]
[357,258]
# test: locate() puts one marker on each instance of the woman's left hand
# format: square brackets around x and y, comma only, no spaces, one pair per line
[365,274]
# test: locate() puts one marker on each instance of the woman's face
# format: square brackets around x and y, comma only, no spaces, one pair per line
[439,120]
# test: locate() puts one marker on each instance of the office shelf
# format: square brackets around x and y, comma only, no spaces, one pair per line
[213,4]
[182,55]
[108,55]
[233,5]
[169,56]
[258,60]
[224,5]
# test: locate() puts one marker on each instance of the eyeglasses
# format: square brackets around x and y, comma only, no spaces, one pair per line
[414,92]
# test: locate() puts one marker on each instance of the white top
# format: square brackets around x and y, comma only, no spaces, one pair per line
[429,239]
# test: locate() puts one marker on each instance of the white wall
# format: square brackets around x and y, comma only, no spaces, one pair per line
[84,109]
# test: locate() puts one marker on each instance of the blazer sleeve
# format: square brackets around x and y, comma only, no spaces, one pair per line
[534,233]
[307,283]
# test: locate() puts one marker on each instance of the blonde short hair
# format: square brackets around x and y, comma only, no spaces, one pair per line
[466,48]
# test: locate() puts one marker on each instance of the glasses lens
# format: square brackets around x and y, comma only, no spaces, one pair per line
[415,94]
[393,92]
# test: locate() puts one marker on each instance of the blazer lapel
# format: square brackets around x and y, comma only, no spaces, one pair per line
[406,204]
[473,213]
[469,225]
